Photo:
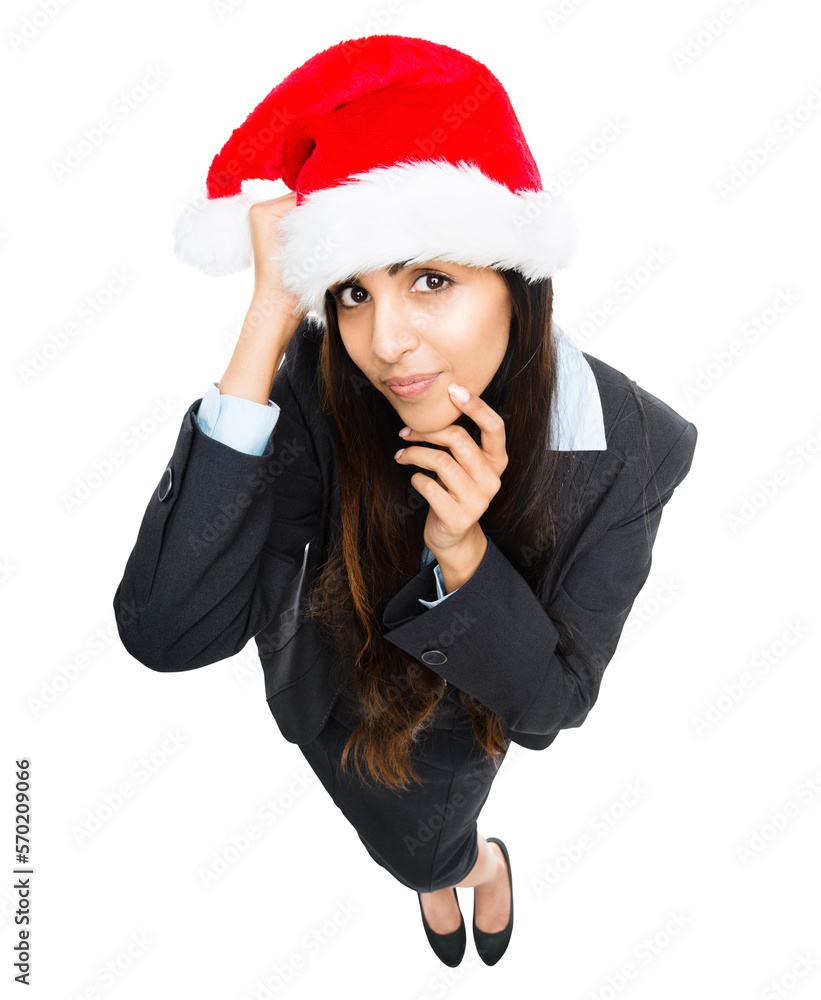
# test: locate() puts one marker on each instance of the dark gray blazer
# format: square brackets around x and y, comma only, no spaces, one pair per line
[229,542]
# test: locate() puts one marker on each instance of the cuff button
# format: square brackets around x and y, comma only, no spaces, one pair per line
[434,657]
[165,484]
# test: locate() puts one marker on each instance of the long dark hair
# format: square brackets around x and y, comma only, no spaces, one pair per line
[379,546]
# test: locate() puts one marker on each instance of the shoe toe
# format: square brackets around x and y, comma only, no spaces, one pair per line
[448,948]
[491,947]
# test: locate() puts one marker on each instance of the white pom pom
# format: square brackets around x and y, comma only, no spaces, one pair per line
[215,237]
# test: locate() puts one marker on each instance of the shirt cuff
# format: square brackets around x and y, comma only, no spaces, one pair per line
[427,557]
[239,423]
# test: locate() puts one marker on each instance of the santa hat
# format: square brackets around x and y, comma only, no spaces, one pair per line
[399,150]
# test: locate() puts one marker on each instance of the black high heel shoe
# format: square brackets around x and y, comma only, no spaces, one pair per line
[450,948]
[491,947]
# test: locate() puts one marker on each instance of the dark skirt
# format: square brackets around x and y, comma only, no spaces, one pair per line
[425,836]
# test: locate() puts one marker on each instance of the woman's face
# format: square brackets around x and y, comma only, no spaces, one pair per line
[438,318]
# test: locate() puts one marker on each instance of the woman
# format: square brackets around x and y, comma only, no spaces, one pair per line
[531,501]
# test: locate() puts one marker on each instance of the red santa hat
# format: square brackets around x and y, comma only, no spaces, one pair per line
[399,150]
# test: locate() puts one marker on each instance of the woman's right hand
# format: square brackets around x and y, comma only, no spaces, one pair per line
[264,216]
[273,316]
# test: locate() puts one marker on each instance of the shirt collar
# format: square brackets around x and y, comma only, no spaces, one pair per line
[577,419]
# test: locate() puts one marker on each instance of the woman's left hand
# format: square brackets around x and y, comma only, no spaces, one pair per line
[468,477]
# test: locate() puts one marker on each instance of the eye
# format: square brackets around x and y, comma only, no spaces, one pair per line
[441,281]
[350,296]
[355,290]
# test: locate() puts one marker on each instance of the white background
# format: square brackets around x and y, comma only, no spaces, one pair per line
[723,587]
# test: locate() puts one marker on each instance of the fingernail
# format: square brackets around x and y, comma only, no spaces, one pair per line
[399,453]
[404,432]
[459,393]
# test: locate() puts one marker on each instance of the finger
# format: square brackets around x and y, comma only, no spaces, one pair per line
[490,424]
[470,493]
[446,507]
[477,464]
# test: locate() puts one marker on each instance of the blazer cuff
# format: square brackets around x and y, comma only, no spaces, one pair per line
[470,642]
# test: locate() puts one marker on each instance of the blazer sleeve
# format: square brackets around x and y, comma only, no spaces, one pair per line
[222,537]
[499,643]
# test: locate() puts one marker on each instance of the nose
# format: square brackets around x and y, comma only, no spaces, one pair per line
[395,328]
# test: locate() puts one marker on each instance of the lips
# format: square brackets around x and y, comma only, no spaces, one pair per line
[411,379]
[414,388]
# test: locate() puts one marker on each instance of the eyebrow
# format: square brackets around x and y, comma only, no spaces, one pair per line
[352,279]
